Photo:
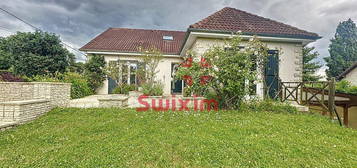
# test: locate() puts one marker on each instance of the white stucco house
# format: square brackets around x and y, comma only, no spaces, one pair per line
[285,42]
[349,75]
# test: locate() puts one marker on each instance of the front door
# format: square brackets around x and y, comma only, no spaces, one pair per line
[176,85]
[272,74]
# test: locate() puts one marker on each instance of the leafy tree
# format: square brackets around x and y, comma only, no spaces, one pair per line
[35,53]
[343,49]
[5,56]
[150,60]
[147,71]
[310,66]
[225,74]
[77,67]
[94,70]
[5,60]
[114,71]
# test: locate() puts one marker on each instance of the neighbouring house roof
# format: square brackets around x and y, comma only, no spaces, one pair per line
[234,20]
[129,40]
[347,71]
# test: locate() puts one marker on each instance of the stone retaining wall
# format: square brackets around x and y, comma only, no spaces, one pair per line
[22,111]
[58,94]
[24,101]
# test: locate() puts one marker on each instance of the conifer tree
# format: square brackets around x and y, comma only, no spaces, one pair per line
[343,49]
[310,65]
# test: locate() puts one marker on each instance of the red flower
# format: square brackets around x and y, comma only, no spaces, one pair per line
[205,79]
[188,80]
[204,63]
[187,62]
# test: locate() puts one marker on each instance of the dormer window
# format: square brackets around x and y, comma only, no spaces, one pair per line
[168,37]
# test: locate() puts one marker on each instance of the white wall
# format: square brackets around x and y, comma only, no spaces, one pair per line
[290,56]
[164,68]
[290,66]
[352,77]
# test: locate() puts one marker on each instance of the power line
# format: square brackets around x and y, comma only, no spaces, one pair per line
[36,28]
[6,29]
[19,18]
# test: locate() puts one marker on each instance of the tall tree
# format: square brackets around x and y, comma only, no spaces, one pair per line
[36,53]
[343,48]
[310,65]
[5,56]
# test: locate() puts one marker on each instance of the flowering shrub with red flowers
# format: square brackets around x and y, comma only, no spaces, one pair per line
[224,73]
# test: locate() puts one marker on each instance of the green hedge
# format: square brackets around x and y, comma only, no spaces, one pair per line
[342,86]
[124,89]
[346,87]
[80,85]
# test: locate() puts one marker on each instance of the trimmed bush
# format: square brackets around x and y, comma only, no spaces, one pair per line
[153,89]
[44,78]
[352,90]
[346,87]
[80,85]
[124,89]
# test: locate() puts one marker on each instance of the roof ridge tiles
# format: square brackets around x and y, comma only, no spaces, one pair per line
[235,20]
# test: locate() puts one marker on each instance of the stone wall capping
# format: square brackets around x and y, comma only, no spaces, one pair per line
[24,102]
[113,99]
[32,83]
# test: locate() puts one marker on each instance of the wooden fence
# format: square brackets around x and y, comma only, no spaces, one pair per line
[321,94]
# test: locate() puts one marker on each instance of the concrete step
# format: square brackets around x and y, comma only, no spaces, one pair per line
[298,106]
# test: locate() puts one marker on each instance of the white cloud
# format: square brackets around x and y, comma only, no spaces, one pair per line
[322,72]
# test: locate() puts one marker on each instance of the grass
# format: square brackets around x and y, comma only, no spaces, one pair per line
[252,137]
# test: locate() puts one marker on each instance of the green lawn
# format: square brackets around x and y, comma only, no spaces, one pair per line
[126,138]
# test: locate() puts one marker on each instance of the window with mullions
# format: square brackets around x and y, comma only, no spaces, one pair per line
[132,72]
[140,73]
[125,72]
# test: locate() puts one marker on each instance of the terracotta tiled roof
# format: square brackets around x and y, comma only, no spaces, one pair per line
[225,20]
[233,20]
[129,40]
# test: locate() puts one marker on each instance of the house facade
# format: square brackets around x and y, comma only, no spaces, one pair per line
[350,75]
[284,42]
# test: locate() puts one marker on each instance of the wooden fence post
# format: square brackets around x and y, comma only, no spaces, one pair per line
[301,91]
[331,96]
[345,115]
